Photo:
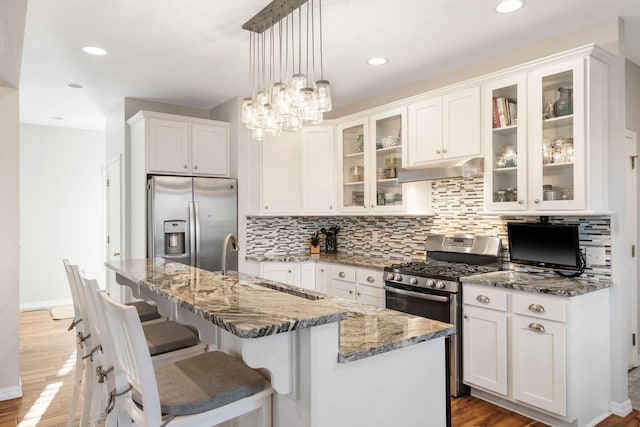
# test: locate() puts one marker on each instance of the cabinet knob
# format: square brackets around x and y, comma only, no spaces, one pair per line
[116,254]
[536,327]
[438,151]
[373,206]
[370,279]
[351,292]
[322,270]
[195,166]
[341,274]
[520,201]
[536,201]
[266,207]
[289,271]
[483,299]
[330,207]
[465,316]
[358,293]
[185,166]
[444,150]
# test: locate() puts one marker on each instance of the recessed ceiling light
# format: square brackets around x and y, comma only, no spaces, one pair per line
[93,50]
[56,117]
[75,85]
[508,6]
[377,61]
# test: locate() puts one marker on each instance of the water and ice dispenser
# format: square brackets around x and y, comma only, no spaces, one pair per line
[174,237]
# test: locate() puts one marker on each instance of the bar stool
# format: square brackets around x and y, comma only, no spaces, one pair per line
[204,390]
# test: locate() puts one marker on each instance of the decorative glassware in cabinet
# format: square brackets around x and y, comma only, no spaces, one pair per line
[557,137]
[353,147]
[505,144]
[388,151]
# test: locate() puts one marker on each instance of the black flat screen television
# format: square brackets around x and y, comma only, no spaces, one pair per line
[550,246]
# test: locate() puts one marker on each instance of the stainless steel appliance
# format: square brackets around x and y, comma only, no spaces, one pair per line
[189,218]
[432,288]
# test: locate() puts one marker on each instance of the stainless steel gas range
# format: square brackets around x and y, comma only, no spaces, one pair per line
[432,288]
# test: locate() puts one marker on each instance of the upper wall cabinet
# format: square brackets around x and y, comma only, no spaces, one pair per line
[444,127]
[177,145]
[545,138]
[298,172]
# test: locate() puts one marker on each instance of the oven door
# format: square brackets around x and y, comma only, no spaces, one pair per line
[430,303]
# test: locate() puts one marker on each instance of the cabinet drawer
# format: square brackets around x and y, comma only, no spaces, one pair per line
[484,296]
[343,272]
[542,306]
[369,277]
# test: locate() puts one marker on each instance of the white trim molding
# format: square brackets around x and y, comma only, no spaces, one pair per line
[621,409]
[45,305]
[11,392]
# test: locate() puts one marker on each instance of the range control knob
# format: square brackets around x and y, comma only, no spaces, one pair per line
[431,283]
[398,278]
[391,276]
[440,284]
[413,281]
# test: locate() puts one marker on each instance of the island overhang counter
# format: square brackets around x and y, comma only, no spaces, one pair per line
[331,362]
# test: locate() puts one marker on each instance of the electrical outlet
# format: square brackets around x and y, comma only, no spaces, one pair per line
[595,256]
[374,236]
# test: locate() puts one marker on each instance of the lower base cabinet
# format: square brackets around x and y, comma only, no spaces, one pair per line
[357,284]
[542,355]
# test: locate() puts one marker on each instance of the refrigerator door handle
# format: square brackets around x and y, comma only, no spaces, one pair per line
[192,234]
[197,222]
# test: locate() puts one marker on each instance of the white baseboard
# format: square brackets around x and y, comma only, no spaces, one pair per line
[44,305]
[11,392]
[621,409]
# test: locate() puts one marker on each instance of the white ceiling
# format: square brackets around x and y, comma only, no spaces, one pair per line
[195,53]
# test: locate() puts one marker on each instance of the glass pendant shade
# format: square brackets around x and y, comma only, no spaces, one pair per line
[298,81]
[323,95]
[257,133]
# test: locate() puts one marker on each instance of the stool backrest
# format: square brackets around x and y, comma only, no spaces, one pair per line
[131,360]
[73,286]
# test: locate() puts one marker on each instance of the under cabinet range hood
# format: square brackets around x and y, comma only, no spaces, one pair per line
[465,168]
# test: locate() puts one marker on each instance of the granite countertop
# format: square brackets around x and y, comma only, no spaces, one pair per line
[251,307]
[542,282]
[335,258]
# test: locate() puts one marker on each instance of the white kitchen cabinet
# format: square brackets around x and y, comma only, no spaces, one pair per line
[539,363]
[307,276]
[444,127]
[552,158]
[281,173]
[322,277]
[318,169]
[283,272]
[356,284]
[371,150]
[177,145]
[537,354]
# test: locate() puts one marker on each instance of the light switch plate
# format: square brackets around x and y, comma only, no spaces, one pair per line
[595,256]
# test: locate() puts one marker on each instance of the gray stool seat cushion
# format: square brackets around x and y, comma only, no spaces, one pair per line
[145,310]
[202,383]
[163,337]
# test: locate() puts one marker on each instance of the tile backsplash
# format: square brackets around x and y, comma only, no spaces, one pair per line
[457,203]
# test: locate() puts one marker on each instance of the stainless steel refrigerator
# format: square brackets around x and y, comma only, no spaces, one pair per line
[188,219]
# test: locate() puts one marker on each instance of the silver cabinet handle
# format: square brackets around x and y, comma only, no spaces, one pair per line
[536,327]
[185,166]
[195,166]
[341,274]
[444,150]
[370,279]
[483,299]
[520,202]
[536,201]
[438,151]
[419,295]
[116,254]
[536,308]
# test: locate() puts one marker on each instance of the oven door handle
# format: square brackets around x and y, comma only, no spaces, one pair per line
[416,294]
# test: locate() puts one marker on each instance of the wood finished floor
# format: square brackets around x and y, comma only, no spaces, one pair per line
[47,361]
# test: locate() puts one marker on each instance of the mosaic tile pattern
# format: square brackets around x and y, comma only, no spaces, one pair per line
[457,203]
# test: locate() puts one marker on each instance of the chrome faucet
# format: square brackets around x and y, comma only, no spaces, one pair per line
[230,239]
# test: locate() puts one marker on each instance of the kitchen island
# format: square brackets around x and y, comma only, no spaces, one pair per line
[331,362]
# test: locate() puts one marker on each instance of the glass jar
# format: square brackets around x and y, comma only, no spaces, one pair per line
[558,151]
[510,156]
[547,156]
[564,103]
[568,151]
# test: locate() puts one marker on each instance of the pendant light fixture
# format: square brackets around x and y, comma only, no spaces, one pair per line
[283,93]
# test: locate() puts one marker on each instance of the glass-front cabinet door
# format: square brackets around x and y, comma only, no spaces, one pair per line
[388,130]
[557,137]
[506,150]
[354,193]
